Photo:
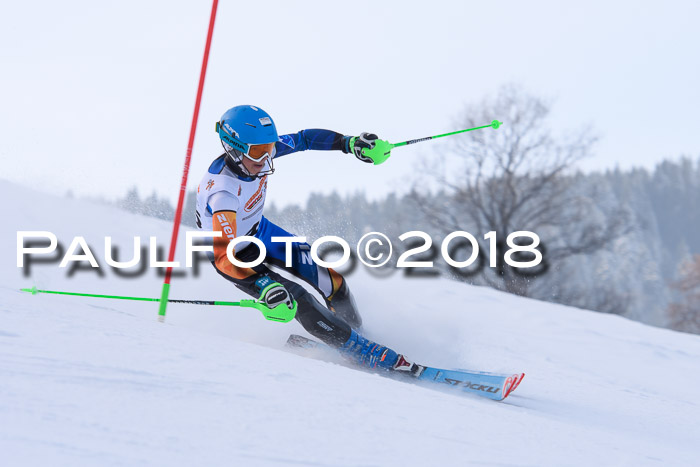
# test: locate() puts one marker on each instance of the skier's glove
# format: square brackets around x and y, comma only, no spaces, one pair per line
[368,148]
[273,294]
[358,143]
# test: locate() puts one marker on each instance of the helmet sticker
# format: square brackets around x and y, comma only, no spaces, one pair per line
[265,121]
[231,130]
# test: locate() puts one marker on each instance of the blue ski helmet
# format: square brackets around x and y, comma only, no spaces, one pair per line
[244,126]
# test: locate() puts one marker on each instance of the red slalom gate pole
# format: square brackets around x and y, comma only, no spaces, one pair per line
[165,293]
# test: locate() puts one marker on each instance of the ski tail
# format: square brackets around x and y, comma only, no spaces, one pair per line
[301,342]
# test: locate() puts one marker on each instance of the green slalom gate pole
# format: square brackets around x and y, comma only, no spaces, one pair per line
[280,313]
[382,149]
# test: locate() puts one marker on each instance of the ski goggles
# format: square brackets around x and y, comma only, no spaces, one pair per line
[254,152]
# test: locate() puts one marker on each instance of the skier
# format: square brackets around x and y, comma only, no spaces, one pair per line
[230,199]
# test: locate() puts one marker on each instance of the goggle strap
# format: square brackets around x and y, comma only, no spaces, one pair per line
[232,141]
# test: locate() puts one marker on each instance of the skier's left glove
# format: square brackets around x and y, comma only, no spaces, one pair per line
[368,148]
[273,294]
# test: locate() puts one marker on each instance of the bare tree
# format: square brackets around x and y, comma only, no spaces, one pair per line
[519,177]
[685,315]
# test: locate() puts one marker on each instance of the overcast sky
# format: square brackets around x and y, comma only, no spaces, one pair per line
[98,96]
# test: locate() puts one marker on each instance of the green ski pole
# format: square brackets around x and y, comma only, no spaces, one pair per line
[382,149]
[280,313]
[494,124]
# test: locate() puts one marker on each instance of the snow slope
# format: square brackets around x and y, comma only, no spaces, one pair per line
[101,382]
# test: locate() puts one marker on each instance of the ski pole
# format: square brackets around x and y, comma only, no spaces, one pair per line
[494,124]
[280,313]
[382,149]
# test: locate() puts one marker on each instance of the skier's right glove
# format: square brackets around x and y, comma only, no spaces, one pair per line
[368,148]
[358,144]
[273,294]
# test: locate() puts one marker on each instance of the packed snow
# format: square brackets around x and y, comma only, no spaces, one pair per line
[87,381]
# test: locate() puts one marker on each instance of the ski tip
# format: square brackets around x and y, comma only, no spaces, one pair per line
[520,379]
[508,386]
[511,383]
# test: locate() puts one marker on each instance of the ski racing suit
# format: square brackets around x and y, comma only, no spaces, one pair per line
[233,204]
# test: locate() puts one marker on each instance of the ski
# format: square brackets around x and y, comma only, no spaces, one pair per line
[301,342]
[495,386]
[492,386]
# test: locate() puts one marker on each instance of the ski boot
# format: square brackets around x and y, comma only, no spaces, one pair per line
[365,353]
